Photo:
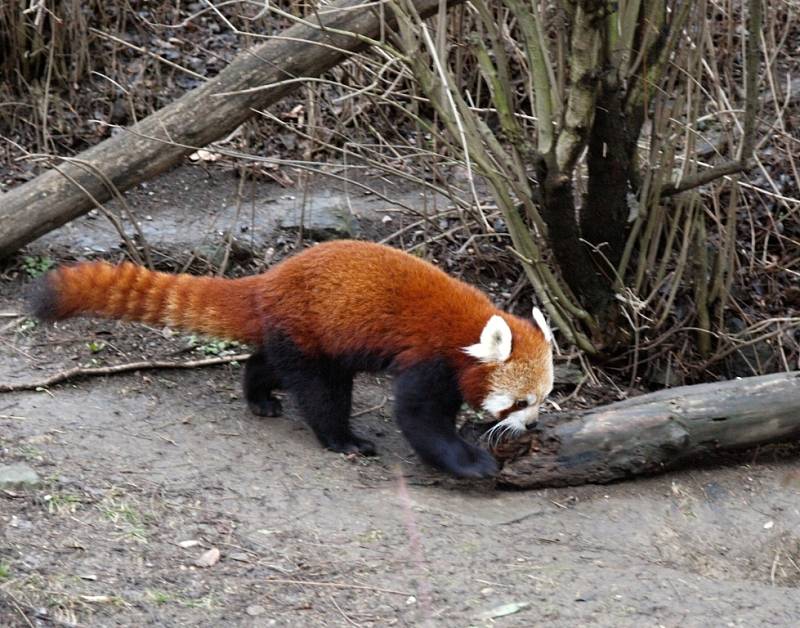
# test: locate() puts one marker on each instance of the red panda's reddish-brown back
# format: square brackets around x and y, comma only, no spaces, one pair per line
[349,297]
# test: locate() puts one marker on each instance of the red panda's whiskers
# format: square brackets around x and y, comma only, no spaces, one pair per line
[507,427]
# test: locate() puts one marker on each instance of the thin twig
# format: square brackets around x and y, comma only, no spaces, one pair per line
[80,371]
[342,613]
[338,585]
[49,619]
[18,608]
[750,112]
[144,51]
[372,409]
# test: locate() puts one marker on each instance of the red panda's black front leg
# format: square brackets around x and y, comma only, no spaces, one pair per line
[427,399]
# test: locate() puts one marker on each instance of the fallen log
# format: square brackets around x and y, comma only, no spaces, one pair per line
[653,432]
[198,118]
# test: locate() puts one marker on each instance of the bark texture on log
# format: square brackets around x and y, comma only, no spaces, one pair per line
[198,118]
[653,432]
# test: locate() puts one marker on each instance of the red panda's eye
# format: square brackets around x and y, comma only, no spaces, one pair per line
[520,404]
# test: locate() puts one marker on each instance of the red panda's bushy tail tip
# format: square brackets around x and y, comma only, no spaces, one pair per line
[95,288]
[214,306]
[42,299]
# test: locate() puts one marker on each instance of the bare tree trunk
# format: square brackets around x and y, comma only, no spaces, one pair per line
[654,432]
[574,258]
[604,214]
[198,118]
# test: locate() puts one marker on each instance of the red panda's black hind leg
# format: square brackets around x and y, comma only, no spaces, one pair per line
[324,393]
[260,379]
[322,388]
[427,400]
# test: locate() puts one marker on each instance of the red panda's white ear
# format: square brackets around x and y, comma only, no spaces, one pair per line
[495,344]
[540,320]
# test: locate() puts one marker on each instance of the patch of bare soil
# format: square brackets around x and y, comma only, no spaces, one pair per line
[164,502]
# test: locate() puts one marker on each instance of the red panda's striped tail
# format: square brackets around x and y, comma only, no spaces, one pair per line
[225,308]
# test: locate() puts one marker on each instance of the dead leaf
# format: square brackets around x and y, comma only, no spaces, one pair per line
[96,599]
[189,543]
[504,610]
[208,559]
[204,155]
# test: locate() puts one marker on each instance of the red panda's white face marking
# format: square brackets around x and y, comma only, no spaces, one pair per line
[519,384]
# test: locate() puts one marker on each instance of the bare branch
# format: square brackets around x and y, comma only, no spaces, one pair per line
[80,371]
[701,178]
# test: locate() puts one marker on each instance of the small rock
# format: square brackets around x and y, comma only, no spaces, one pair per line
[31,562]
[215,253]
[254,610]
[325,217]
[17,475]
[665,375]
[209,559]
[240,556]
[567,374]
[189,543]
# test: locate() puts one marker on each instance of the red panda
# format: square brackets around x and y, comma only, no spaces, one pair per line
[338,308]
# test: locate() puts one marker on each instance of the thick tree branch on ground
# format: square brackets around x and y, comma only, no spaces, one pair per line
[654,432]
[198,118]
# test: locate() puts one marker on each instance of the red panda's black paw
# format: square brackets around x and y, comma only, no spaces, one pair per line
[473,462]
[355,445]
[486,467]
[266,407]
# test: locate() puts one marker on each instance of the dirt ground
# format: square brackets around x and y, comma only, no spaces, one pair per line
[144,473]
